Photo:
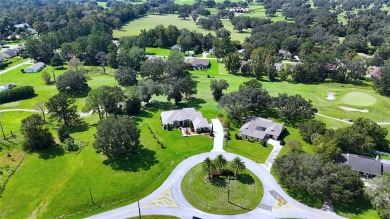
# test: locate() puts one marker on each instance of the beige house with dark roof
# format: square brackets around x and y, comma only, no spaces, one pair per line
[258,129]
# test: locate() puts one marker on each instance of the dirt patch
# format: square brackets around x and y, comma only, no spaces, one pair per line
[354,109]
[330,96]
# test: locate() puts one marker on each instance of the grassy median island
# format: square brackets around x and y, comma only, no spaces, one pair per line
[212,197]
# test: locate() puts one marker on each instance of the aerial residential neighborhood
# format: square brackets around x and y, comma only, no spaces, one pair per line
[194,109]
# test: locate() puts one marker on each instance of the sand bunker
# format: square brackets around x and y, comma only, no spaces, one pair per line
[330,96]
[353,109]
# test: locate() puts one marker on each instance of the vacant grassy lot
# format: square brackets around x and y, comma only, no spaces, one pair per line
[245,192]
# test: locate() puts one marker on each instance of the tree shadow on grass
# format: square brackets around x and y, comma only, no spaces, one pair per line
[360,205]
[81,127]
[192,102]
[246,179]
[52,152]
[165,106]
[143,160]
[219,182]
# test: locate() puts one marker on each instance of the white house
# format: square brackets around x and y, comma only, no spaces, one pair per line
[36,67]
[184,118]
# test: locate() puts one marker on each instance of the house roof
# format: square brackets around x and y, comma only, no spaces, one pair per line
[170,117]
[259,127]
[199,62]
[22,25]
[284,52]
[375,72]
[361,163]
[153,57]
[37,66]
[176,47]
[11,52]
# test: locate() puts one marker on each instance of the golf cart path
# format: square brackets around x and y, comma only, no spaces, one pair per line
[36,111]
[168,199]
[16,66]
[346,121]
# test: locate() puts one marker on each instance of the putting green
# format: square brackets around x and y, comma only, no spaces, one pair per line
[358,99]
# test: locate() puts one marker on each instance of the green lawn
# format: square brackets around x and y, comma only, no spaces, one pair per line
[158,51]
[252,150]
[14,61]
[46,184]
[150,21]
[211,197]
[358,99]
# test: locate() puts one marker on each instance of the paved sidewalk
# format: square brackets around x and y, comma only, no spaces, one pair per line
[218,136]
[168,199]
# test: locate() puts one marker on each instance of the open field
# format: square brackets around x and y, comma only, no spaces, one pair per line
[150,21]
[245,193]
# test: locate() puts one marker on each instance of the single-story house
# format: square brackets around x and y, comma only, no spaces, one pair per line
[153,58]
[374,73]
[366,166]
[284,53]
[184,118]
[199,63]
[258,129]
[239,10]
[280,66]
[7,87]
[176,47]
[11,52]
[36,67]
[27,26]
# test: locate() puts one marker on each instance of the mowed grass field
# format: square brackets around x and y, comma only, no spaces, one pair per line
[245,192]
[150,21]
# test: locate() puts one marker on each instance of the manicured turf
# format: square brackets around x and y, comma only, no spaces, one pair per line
[252,150]
[151,21]
[158,51]
[49,185]
[58,178]
[358,99]
[245,193]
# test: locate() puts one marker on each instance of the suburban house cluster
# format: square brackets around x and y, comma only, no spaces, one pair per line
[239,10]
[11,52]
[366,166]
[186,117]
[259,129]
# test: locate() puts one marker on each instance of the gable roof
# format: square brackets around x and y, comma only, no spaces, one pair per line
[259,127]
[375,72]
[361,163]
[199,62]
[170,117]
[36,67]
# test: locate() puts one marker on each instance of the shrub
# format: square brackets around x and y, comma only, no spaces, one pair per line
[15,94]
[46,77]
[63,133]
[238,137]
[71,145]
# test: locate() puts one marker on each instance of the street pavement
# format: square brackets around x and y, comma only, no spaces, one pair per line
[168,199]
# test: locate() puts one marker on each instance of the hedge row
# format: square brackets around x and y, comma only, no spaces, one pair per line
[17,93]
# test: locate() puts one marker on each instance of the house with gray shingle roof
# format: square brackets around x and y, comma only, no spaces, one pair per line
[367,166]
[36,67]
[258,129]
[184,118]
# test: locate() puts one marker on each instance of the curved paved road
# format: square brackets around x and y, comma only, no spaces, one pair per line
[169,200]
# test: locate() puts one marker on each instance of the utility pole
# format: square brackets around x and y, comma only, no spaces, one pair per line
[229,188]
[139,211]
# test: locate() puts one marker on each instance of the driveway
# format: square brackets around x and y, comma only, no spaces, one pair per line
[168,199]
[274,153]
[16,66]
[218,136]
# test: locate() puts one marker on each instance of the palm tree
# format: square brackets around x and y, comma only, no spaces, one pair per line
[220,162]
[237,165]
[208,166]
